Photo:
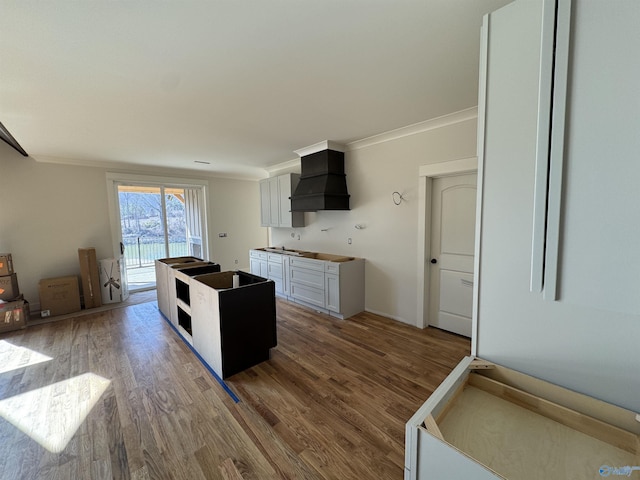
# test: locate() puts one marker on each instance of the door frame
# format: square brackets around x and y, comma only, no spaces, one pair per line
[425,184]
[113,179]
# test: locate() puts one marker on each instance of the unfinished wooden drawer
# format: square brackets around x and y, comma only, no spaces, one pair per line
[486,421]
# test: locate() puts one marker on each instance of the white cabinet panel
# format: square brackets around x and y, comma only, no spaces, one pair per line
[275,204]
[308,294]
[332,292]
[305,276]
[265,204]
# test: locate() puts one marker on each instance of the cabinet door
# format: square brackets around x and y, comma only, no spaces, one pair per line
[332,292]
[254,266]
[265,203]
[264,269]
[284,203]
[274,202]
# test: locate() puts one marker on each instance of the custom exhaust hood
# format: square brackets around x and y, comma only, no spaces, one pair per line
[323,183]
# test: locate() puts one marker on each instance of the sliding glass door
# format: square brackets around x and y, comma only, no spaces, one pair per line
[157,221]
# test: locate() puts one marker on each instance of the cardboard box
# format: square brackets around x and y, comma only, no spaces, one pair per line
[90,277]
[6,264]
[9,287]
[14,315]
[59,295]
[113,280]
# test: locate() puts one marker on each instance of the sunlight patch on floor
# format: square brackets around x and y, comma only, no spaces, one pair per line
[51,415]
[13,357]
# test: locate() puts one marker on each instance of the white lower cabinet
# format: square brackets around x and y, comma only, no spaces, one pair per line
[336,288]
[306,278]
[275,271]
[258,263]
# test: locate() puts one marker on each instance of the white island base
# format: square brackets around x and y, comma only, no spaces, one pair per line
[486,422]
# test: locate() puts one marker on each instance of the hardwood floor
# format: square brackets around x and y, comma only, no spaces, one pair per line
[331,403]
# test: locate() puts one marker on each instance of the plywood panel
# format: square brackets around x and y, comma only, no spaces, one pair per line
[518,443]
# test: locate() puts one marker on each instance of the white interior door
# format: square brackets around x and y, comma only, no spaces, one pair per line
[453,218]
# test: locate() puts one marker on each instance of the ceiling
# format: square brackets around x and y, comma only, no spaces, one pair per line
[235,84]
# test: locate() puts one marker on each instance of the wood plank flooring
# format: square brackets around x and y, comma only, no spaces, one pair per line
[331,403]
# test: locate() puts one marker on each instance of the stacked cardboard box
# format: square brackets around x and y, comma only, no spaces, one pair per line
[14,309]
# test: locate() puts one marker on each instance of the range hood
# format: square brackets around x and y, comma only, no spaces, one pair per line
[323,183]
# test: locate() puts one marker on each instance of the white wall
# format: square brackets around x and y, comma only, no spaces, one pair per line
[48,211]
[389,240]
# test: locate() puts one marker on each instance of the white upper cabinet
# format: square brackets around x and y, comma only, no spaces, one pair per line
[275,204]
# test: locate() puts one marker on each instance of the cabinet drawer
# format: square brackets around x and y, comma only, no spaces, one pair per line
[274,257]
[309,263]
[331,267]
[258,254]
[308,277]
[308,294]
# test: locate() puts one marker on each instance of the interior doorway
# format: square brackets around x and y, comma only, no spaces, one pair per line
[427,174]
[453,215]
[155,219]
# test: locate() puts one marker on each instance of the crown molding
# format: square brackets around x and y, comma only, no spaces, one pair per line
[425,126]
[288,165]
[255,173]
[320,146]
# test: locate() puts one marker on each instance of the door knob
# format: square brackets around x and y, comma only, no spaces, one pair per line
[433,260]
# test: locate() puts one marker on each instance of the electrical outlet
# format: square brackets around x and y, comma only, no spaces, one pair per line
[222,235]
[349,241]
[236,262]
[298,237]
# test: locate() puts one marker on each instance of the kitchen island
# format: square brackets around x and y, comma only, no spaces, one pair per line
[229,318]
[328,283]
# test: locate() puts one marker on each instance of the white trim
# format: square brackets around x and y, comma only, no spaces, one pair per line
[424,245]
[255,173]
[434,170]
[556,161]
[482,112]
[447,169]
[320,146]
[432,124]
[113,179]
[156,180]
[288,165]
[388,315]
[424,126]
[536,282]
